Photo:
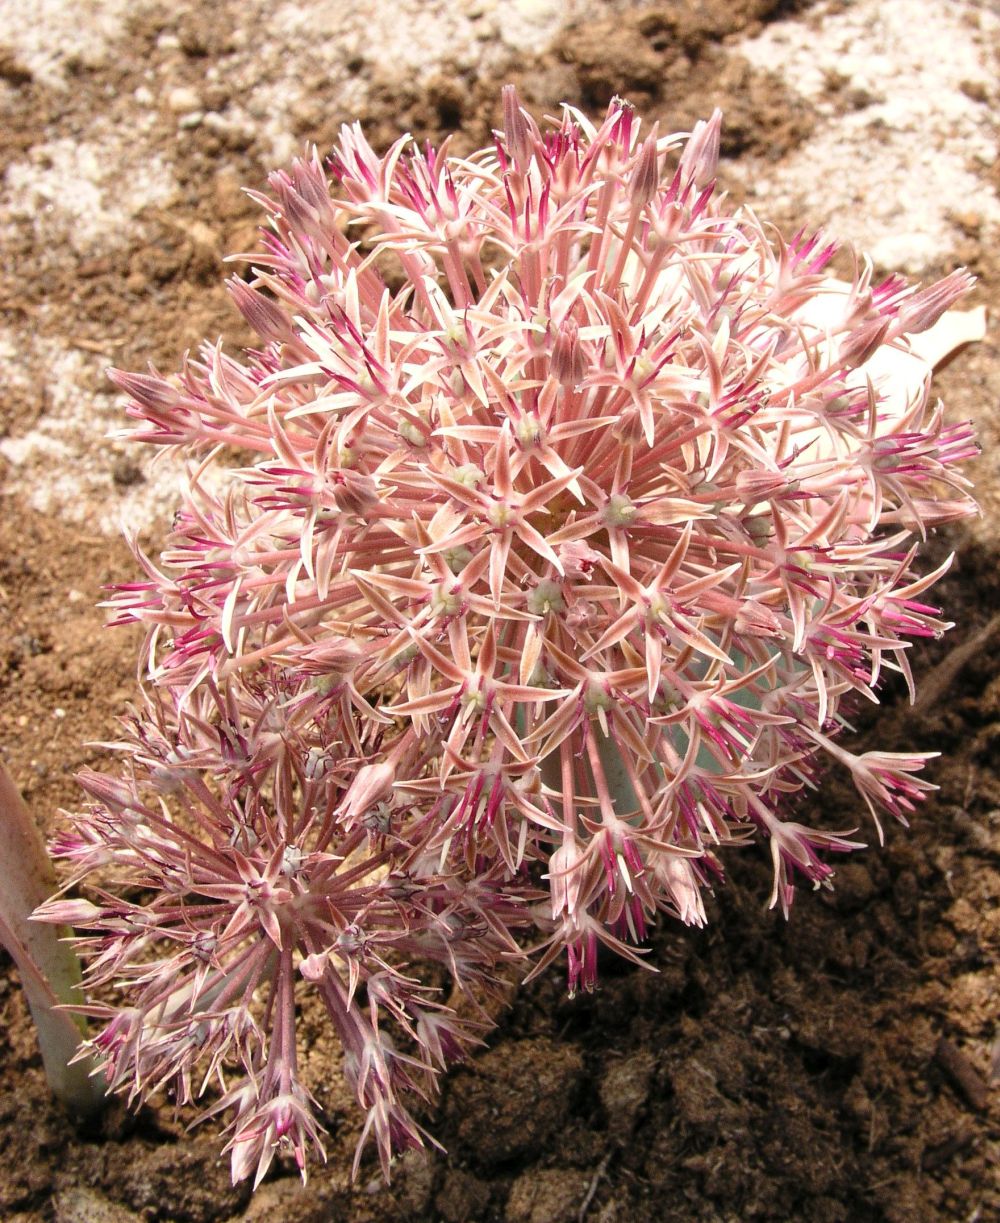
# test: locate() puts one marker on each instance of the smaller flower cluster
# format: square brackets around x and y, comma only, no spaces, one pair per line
[548,576]
[260,857]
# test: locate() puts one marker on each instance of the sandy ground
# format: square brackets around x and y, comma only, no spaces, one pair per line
[127,130]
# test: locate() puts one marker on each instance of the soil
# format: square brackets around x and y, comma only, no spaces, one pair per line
[840,1066]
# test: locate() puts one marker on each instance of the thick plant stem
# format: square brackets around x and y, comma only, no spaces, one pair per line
[48,966]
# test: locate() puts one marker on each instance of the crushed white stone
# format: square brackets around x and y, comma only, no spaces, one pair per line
[182,98]
[891,175]
[46,34]
[65,464]
[405,40]
[84,194]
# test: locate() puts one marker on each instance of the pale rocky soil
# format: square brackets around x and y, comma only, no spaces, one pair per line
[903,139]
[768,1072]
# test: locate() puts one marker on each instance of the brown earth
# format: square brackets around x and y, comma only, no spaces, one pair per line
[834,1068]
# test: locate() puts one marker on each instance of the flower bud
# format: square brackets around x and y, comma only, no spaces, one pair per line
[569,364]
[263,314]
[565,878]
[517,133]
[862,344]
[700,158]
[353,493]
[148,390]
[921,311]
[69,913]
[646,173]
[372,784]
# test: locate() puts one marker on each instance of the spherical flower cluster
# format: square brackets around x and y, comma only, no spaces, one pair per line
[573,511]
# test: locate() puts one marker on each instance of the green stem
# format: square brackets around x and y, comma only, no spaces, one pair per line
[48,965]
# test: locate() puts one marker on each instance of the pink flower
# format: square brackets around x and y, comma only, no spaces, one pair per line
[884,779]
[560,563]
[794,846]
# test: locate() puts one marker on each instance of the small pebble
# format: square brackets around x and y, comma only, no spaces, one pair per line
[968,220]
[183,99]
[975,90]
[125,473]
[964,1076]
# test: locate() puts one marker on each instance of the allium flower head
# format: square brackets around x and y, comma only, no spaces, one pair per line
[575,509]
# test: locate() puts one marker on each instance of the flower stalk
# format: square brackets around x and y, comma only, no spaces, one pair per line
[46,962]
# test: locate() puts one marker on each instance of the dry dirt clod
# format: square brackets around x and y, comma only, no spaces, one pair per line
[962,1074]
